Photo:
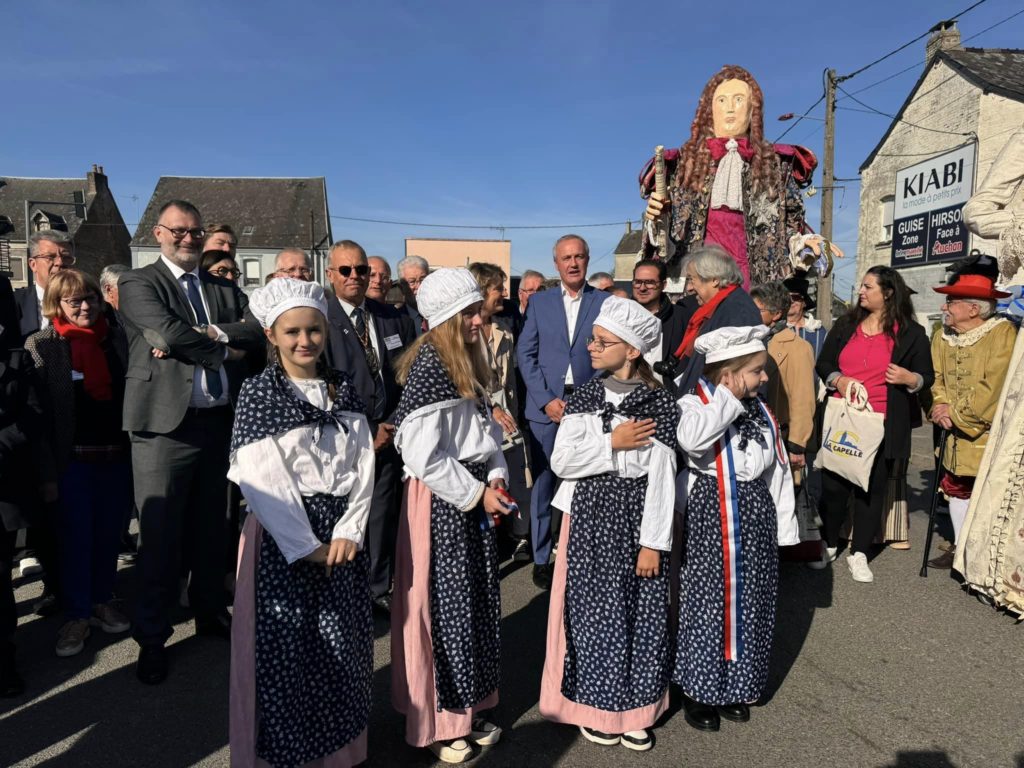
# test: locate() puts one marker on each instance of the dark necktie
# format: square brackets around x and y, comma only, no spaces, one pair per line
[213,382]
[372,361]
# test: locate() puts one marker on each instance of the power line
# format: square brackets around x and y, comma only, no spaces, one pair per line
[485,226]
[1008,18]
[905,122]
[906,45]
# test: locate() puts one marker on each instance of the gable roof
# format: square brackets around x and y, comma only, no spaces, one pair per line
[630,242]
[14,191]
[276,209]
[993,70]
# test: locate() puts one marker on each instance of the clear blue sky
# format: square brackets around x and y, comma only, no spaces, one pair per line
[527,113]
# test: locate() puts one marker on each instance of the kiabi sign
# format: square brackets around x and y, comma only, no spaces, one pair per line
[928,209]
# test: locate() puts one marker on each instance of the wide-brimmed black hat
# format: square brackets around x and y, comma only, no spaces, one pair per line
[798,285]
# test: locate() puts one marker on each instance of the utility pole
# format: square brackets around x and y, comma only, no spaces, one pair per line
[828,172]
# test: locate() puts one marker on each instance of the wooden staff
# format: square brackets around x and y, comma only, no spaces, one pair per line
[661,190]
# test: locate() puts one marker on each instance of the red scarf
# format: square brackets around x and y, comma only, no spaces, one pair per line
[704,311]
[718,150]
[87,355]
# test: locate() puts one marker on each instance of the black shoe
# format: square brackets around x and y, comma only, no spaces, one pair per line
[11,684]
[700,716]
[523,552]
[218,626]
[152,666]
[542,575]
[738,713]
[943,562]
[382,603]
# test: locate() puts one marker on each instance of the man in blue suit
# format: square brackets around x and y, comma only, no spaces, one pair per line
[553,364]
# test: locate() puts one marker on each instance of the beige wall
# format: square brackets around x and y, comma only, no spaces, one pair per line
[948,102]
[459,253]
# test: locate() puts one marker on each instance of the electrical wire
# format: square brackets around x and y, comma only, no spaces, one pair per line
[484,226]
[799,118]
[905,122]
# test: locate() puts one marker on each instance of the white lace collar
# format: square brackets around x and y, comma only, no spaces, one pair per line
[973,336]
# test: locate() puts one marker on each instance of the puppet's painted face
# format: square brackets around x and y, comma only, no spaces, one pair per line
[730,106]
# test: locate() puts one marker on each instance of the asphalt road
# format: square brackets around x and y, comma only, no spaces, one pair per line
[904,672]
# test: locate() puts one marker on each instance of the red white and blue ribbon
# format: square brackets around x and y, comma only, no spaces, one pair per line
[773,426]
[732,543]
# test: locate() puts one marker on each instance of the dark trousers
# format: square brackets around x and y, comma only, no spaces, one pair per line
[41,543]
[382,525]
[867,505]
[8,609]
[545,520]
[180,488]
[515,460]
[93,497]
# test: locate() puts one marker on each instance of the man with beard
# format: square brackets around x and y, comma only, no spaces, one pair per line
[178,410]
[649,277]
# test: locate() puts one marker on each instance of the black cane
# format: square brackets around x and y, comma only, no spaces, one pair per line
[935,502]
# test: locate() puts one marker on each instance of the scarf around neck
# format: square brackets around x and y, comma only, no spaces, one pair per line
[87,355]
[704,311]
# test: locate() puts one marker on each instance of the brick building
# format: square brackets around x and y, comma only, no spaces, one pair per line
[976,97]
[84,208]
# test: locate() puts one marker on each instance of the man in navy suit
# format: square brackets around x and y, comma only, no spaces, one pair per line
[552,366]
[366,338]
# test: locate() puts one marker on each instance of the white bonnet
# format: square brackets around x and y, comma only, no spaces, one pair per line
[630,322]
[445,292]
[283,293]
[729,342]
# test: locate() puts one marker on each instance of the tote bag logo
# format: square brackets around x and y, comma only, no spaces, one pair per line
[845,443]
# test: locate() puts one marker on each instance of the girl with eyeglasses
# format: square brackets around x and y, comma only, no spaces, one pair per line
[607,664]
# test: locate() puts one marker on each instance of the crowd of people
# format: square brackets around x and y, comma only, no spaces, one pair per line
[389,442]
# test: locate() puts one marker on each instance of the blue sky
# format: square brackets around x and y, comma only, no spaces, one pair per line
[484,114]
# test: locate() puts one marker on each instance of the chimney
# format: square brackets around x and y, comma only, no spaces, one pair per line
[945,36]
[97,180]
[629,227]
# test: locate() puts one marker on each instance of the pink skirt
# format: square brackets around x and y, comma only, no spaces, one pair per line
[412,657]
[243,715]
[553,705]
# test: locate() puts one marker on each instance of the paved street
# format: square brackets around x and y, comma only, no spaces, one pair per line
[903,672]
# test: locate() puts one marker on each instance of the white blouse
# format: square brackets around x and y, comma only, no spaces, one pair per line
[276,472]
[701,426]
[434,439]
[583,449]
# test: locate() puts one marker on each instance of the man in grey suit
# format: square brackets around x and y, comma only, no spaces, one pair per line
[187,338]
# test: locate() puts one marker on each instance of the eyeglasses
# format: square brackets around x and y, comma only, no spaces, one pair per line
[528,291]
[66,261]
[361,270]
[300,271]
[178,233]
[76,302]
[951,302]
[413,280]
[226,272]
[600,344]
[646,283]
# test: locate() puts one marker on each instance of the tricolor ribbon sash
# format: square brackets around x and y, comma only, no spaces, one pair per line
[732,544]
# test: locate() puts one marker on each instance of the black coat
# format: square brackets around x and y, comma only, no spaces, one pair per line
[902,408]
[28,311]
[20,423]
[395,333]
[673,326]
[736,310]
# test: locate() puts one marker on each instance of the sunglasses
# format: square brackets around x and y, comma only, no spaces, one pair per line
[361,270]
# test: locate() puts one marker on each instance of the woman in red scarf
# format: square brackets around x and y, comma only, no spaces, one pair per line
[715,279]
[82,452]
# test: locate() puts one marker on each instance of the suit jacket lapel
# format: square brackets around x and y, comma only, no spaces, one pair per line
[212,292]
[179,300]
[586,299]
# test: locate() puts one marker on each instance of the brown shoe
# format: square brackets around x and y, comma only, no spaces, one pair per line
[944,561]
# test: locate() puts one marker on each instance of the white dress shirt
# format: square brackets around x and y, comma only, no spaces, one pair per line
[201,397]
[44,322]
[583,449]
[435,438]
[701,426]
[572,311]
[276,472]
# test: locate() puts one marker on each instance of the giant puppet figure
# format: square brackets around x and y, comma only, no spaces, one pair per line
[732,188]
[991,558]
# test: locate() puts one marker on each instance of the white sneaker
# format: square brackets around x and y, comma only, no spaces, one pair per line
[598,737]
[639,741]
[30,566]
[455,751]
[858,564]
[484,733]
[828,555]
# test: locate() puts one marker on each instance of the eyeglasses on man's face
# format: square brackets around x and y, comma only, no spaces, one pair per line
[296,272]
[600,344]
[361,270]
[178,233]
[646,283]
[64,261]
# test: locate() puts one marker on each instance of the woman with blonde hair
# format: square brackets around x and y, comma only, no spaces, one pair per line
[446,606]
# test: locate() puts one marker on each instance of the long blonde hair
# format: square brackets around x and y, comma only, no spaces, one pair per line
[465,364]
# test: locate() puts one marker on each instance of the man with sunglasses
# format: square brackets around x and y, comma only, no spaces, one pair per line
[365,339]
[49,252]
[178,410]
